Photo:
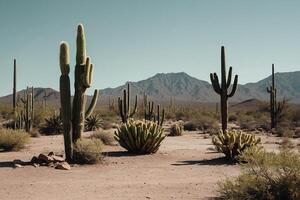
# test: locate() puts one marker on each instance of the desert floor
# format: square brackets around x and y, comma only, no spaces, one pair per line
[185,167]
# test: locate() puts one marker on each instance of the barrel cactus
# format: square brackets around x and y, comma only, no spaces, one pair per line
[140,137]
[176,129]
[232,143]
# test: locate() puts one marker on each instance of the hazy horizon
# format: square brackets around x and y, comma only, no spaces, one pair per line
[132,40]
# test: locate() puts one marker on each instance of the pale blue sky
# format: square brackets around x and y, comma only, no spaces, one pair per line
[135,39]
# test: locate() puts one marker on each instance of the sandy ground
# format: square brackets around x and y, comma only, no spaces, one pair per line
[185,167]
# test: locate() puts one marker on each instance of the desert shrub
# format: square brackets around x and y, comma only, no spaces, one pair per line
[106,137]
[41,114]
[13,140]
[266,175]
[106,125]
[176,129]
[283,131]
[93,123]
[232,118]
[52,126]
[232,143]
[140,137]
[87,151]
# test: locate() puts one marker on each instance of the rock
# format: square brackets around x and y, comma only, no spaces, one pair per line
[63,166]
[58,158]
[51,154]
[45,158]
[35,165]
[34,159]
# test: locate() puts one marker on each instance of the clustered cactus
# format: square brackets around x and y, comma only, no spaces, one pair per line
[232,143]
[222,89]
[149,113]
[74,114]
[125,105]
[140,137]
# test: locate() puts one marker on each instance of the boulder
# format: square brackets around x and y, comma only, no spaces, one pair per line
[45,158]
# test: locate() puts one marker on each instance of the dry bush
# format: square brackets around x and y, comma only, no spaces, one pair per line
[13,140]
[52,126]
[88,151]
[265,176]
[106,137]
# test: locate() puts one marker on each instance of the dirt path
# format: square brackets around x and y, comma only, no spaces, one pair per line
[184,168]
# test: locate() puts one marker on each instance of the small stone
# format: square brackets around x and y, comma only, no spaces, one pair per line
[45,158]
[20,162]
[35,165]
[63,166]
[51,153]
[18,166]
[58,158]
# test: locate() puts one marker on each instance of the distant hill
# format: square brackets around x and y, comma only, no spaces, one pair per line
[182,87]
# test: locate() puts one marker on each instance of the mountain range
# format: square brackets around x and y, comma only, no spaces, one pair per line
[182,87]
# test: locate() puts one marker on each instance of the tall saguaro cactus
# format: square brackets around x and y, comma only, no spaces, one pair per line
[273,101]
[74,117]
[125,105]
[222,89]
[15,94]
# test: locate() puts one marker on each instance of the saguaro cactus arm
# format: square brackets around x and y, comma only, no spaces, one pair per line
[215,82]
[234,86]
[92,105]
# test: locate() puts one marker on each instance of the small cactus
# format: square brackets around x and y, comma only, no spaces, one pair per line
[273,99]
[176,129]
[125,105]
[233,143]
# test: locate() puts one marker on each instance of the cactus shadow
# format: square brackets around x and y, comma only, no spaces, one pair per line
[7,164]
[213,161]
[119,154]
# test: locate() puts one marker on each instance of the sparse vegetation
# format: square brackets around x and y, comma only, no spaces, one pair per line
[265,176]
[13,140]
[87,151]
[52,126]
[106,137]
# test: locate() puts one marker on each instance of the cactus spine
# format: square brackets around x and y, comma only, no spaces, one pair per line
[222,89]
[273,101]
[124,105]
[74,117]
[15,94]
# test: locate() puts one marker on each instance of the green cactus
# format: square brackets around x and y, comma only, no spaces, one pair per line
[140,137]
[15,94]
[28,113]
[222,89]
[273,101]
[149,112]
[233,143]
[176,129]
[124,105]
[74,117]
